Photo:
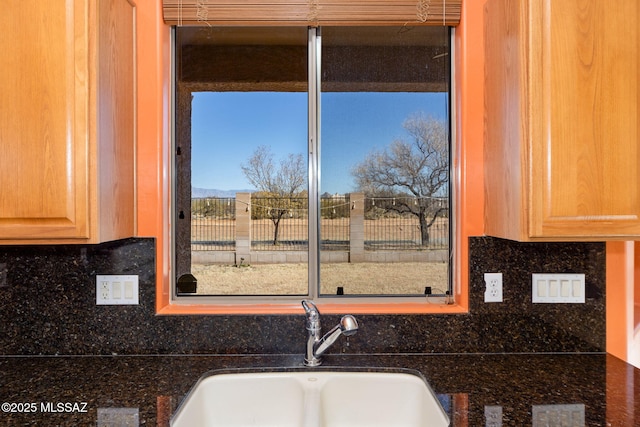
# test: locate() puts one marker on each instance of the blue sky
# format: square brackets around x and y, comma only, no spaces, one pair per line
[228,126]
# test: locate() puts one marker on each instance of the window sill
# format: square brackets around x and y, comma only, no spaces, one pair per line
[294,307]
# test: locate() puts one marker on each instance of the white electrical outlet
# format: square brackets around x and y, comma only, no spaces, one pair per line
[116,290]
[493,416]
[557,288]
[104,289]
[493,292]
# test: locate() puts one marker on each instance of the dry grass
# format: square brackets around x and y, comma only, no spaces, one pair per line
[291,279]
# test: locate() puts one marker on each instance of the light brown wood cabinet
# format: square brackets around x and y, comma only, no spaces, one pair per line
[67,121]
[561,119]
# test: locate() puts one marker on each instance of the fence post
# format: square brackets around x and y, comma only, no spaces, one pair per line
[356,227]
[243,227]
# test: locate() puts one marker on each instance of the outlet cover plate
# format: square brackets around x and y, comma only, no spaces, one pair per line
[493,282]
[117,290]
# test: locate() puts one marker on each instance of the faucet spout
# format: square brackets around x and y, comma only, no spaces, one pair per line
[317,345]
[348,326]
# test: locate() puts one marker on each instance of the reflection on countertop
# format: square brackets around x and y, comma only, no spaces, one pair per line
[73,390]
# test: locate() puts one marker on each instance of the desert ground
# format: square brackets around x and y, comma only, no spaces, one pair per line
[291,279]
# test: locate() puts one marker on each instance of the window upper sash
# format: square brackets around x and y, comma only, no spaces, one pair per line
[311,12]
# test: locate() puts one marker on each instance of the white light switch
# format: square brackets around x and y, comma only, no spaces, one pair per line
[578,288]
[565,288]
[553,288]
[542,288]
[128,289]
[116,290]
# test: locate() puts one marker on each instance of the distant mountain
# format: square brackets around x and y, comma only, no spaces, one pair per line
[197,193]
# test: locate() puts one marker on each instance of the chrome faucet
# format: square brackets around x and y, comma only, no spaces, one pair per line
[317,345]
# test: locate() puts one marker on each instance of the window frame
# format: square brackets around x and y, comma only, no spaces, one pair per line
[281,304]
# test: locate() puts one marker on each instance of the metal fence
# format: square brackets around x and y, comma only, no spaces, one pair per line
[335,223]
[393,223]
[213,224]
[279,223]
[389,223]
[290,216]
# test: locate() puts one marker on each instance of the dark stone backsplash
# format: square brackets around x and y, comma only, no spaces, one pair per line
[47,306]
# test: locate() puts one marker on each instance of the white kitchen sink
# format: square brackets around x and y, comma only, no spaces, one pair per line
[311,399]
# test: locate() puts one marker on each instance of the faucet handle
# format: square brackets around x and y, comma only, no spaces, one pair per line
[311,310]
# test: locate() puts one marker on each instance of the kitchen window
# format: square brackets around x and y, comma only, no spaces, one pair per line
[312,162]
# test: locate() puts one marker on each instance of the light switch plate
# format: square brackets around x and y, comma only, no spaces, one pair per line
[558,415]
[117,290]
[557,288]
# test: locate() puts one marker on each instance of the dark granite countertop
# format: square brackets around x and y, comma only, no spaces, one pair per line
[68,391]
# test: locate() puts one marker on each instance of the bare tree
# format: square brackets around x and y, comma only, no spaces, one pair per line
[280,184]
[419,168]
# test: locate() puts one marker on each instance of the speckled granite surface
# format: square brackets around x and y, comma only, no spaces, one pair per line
[466,383]
[47,306]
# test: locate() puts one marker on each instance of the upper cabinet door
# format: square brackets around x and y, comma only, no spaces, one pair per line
[44,94]
[561,142]
[67,121]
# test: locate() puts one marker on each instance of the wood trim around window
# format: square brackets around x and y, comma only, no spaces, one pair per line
[311,12]
[154,174]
